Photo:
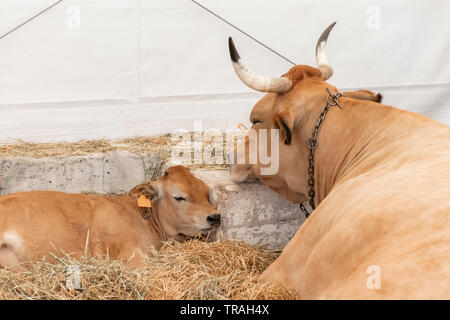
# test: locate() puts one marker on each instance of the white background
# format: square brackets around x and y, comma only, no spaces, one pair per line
[125,68]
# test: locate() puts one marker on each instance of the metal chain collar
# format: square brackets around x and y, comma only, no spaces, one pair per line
[312,144]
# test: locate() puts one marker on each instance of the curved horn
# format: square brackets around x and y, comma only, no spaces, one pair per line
[253,80]
[321,54]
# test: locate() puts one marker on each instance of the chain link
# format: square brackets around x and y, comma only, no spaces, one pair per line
[312,144]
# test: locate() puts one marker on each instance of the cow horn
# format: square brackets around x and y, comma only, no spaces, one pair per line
[321,53]
[253,80]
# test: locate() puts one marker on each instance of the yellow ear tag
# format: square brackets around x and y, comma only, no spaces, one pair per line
[143,201]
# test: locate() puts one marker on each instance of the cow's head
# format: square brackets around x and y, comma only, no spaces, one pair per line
[291,106]
[180,204]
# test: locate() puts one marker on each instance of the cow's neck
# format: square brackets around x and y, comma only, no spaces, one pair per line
[150,220]
[155,224]
[342,140]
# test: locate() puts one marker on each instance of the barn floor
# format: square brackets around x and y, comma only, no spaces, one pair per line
[192,270]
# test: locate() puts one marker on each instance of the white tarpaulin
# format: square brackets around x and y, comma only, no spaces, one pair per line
[90,69]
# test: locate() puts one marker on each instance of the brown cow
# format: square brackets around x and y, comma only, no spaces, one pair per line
[381,186]
[36,223]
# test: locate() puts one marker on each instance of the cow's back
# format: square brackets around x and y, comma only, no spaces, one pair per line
[397,227]
[387,219]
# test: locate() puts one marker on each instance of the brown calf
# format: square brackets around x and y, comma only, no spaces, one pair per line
[36,223]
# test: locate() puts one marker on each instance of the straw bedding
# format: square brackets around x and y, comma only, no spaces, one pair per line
[192,270]
[83,147]
[161,145]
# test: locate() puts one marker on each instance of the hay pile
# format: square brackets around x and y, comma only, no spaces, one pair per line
[161,145]
[141,145]
[192,270]
[60,149]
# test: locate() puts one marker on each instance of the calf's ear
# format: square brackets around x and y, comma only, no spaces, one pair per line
[146,189]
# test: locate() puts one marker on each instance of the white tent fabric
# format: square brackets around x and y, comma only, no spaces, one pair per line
[121,68]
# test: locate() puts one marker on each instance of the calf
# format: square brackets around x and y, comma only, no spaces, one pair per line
[39,224]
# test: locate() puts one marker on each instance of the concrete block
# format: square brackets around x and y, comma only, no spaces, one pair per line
[251,211]
[111,172]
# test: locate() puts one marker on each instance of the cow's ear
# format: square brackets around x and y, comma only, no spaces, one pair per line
[285,123]
[146,189]
[364,95]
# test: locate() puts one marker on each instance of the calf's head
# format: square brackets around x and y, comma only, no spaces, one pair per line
[180,204]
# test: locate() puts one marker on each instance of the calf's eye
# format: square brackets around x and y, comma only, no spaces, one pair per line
[179,198]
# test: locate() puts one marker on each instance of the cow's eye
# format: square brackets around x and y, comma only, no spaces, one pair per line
[179,198]
[255,121]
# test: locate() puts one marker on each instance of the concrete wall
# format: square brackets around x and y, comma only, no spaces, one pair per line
[112,172]
[251,212]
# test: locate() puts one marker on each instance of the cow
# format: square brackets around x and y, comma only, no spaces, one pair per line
[378,177]
[40,224]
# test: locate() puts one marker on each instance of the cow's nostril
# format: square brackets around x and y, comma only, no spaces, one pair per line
[213,219]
